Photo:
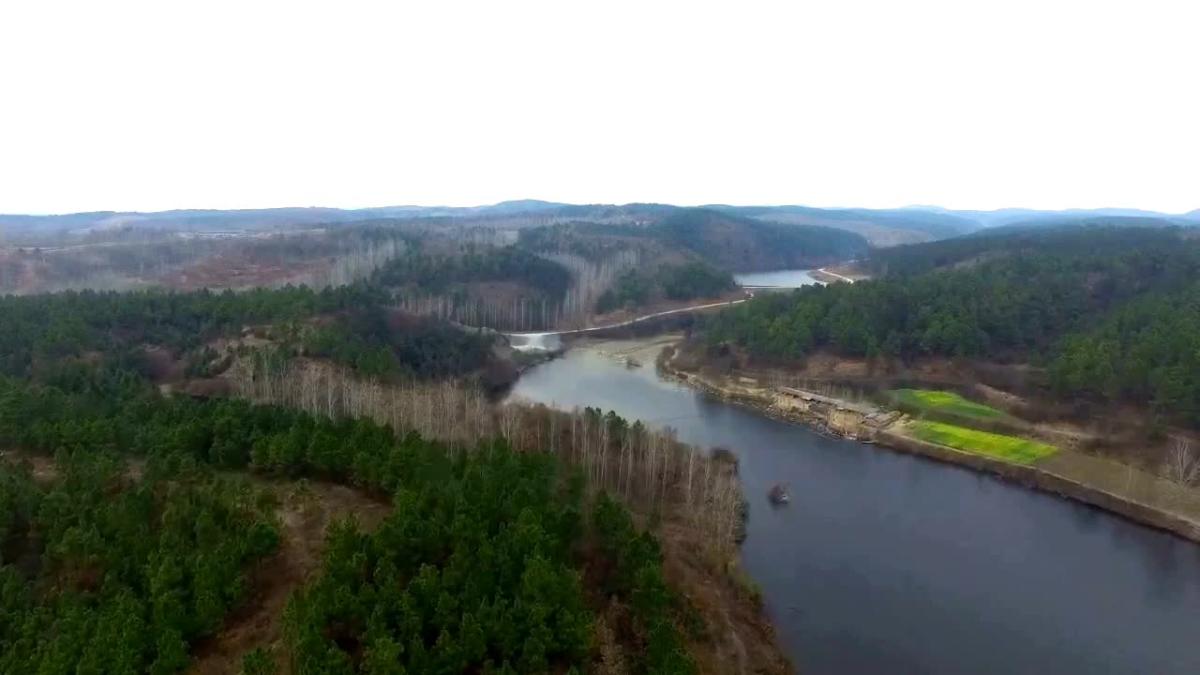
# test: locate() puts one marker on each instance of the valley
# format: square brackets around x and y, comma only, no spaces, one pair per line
[818,338]
[649,383]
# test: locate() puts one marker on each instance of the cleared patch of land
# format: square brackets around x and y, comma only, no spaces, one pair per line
[999,446]
[306,509]
[945,403]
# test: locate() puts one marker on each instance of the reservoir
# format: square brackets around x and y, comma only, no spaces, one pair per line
[890,563]
[778,279]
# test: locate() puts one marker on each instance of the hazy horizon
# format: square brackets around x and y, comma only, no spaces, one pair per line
[904,207]
[142,106]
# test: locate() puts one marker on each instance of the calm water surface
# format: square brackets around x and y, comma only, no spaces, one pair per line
[888,563]
[780,278]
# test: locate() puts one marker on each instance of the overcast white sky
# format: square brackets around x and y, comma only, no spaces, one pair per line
[1048,103]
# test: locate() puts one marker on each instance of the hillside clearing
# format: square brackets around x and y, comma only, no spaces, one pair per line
[305,512]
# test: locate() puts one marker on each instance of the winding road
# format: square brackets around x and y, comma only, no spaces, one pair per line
[836,275]
[630,322]
[534,337]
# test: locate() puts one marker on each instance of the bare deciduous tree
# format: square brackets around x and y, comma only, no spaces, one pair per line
[1183,462]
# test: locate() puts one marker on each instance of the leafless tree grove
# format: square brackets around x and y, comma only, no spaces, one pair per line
[650,470]
[589,279]
[358,263]
[517,314]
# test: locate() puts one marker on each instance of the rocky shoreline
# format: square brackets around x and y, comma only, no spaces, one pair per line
[885,428]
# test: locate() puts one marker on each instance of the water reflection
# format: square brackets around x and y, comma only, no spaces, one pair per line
[777,278]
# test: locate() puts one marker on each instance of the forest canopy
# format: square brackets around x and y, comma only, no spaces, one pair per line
[1110,311]
[142,538]
[440,273]
[741,244]
[724,240]
[478,569]
[687,281]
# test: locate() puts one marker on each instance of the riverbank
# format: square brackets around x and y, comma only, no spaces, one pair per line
[884,561]
[1121,489]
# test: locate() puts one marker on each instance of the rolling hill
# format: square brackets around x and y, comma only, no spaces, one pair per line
[742,244]
[880,227]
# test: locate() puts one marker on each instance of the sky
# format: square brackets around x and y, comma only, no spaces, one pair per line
[121,105]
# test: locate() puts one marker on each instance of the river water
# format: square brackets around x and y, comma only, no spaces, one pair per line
[889,563]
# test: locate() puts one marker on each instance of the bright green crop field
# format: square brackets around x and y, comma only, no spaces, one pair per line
[999,446]
[946,402]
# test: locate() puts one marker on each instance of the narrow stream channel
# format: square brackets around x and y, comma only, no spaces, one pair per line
[888,563]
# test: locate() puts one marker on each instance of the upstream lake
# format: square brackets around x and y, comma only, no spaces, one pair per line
[889,563]
[778,278]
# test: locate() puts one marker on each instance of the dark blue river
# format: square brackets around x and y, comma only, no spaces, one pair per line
[888,563]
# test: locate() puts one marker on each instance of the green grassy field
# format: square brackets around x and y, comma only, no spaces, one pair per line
[1007,448]
[946,403]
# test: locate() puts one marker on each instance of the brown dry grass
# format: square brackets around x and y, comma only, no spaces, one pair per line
[738,639]
[41,468]
[727,634]
[239,270]
[1126,481]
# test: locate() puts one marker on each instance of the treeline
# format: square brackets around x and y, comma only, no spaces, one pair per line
[1106,310]
[649,470]
[498,309]
[591,241]
[501,287]
[99,339]
[41,330]
[674,282]
[590,279]
[1094,242]
[477,570]
[473,572]
[1146,351]
[366,339]
[725,240]
[441,273]
[137,258]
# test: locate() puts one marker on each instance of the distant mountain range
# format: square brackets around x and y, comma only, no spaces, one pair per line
[1014,215]
[882,227]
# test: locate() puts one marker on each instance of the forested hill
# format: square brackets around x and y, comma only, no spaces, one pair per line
[1096,240]
[436,273]
[882,227]
[1113,313]
[136,526]
[102,339]
[742,244]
